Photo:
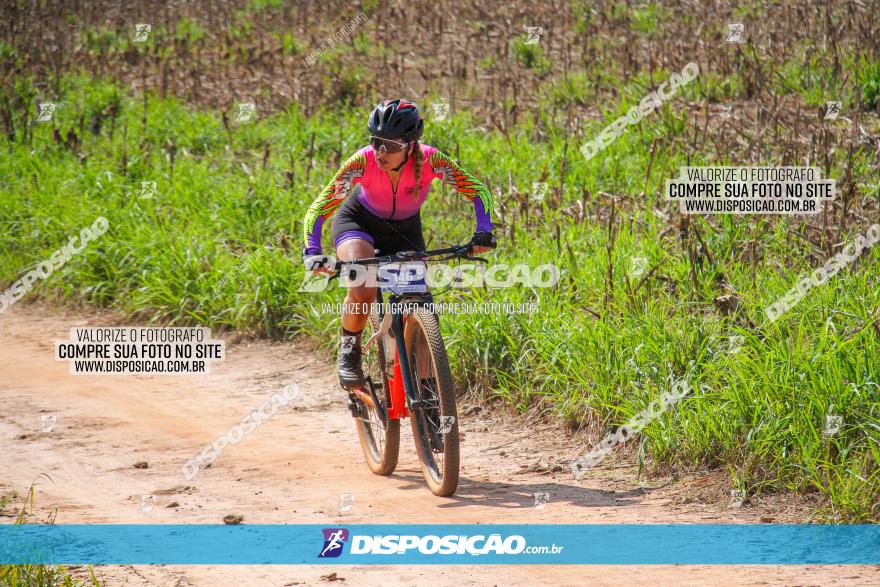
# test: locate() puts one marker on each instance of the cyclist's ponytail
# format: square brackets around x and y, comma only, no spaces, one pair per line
[417,162]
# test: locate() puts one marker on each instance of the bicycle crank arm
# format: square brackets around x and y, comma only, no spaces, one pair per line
[365,397]
[384,327]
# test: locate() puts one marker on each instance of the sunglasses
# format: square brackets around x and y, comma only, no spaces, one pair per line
[387,145]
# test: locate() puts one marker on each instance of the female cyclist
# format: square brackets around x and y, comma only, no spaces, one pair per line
[383,213]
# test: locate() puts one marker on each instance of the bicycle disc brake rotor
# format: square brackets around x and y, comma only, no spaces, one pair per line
[431,407]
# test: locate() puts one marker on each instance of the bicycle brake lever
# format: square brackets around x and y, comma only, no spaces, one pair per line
[468,248]
[337,271]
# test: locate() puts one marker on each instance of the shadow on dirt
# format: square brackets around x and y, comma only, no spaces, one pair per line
[526,495]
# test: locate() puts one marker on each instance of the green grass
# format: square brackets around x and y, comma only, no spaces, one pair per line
[191,30]
[530,55]
[646,18]
[812,75]
[869,83]
[32,575]
[594,355]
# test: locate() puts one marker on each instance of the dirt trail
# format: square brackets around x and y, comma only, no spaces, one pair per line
[293,468]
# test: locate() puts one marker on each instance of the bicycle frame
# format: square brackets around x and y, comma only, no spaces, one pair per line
[402,374]
[400,386]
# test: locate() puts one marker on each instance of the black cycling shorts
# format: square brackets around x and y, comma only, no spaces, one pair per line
[353,220]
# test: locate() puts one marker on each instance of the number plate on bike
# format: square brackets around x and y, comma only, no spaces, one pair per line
[403,277]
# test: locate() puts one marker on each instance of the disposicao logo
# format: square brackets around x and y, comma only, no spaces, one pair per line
[394,544]
[334,540]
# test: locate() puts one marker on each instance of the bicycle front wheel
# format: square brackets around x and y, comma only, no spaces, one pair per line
[435,420]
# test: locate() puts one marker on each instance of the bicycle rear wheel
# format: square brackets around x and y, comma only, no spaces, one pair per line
[435,422]
[379,437]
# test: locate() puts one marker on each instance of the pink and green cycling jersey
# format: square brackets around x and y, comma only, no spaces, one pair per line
[377,196]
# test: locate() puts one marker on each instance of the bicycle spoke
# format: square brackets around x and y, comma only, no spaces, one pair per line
[372,423]
[425,378]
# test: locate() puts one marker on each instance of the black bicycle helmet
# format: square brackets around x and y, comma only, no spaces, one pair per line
[396,119]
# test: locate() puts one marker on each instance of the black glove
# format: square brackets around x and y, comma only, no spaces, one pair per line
[315,260]
[483,239]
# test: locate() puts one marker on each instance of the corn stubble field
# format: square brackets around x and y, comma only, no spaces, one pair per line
[604,343]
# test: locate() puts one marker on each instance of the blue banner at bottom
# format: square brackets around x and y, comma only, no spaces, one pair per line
[568,544]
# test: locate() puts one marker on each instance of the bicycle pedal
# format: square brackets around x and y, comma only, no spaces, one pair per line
[353,407]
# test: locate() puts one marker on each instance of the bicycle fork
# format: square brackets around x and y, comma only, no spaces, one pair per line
[402,369]
[403,372]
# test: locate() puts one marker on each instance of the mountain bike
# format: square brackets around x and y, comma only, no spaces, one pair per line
[407,371]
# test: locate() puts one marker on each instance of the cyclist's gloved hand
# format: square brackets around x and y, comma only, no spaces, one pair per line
[483,239]
[314,260]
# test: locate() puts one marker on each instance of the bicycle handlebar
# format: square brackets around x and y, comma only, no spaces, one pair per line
[456,252]
[459,251]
